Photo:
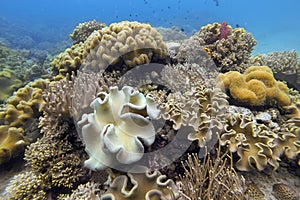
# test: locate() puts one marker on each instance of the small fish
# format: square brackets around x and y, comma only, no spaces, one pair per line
[284,192]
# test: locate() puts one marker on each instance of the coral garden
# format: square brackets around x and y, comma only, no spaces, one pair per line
[134,112]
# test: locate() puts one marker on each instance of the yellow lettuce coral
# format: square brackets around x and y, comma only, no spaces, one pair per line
[114,132]
[256,87]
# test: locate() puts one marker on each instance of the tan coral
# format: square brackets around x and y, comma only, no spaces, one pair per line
[230,53]
[256,87]
[83,30]
[133,43]
[148,185]
[17,115]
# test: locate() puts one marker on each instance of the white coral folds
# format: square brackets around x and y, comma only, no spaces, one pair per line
[114,132]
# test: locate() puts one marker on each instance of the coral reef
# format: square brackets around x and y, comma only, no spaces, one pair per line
[210,178]
[8,83]
[90,191]
[148,185]
[17,115]
[130,42]
[89,85]
[83,30]
[114,131]
[229,53]
[284,192]
[27,185]
[255,143]
[285,65]
[256,87]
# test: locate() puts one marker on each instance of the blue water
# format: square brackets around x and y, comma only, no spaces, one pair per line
[274,23]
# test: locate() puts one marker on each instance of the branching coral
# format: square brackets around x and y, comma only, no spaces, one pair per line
[83,30]
[229,53]
[211,178]
[148,185]
[256,87]
[114,131]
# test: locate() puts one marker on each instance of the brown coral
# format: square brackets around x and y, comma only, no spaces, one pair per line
[211,178]
[256,87]
[17,115]
[230,53]
[256,144]
[285,65]
[133,43]
[284,192]
[83,30]
[148,185]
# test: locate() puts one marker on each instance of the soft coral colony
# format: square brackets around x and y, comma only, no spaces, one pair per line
[85,119]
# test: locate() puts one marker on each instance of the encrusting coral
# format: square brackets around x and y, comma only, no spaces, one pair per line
[83,30]
[133,43]
[229,48]
[256,87]
[113,132]
[148,185]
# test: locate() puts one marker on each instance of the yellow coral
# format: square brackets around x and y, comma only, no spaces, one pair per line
[16,116]
[256,87]
[8,83]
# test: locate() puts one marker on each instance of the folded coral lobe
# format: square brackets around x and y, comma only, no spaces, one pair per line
[114,132]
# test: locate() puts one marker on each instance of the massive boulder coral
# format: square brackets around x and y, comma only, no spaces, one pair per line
[83,30]
[256,87]
[114,132]
[148,185]
[133,43]
[229,53]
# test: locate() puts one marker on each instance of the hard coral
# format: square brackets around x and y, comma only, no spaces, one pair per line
[83,30]
[285,65]
[211,178]
[229,53]
[148,185]
[113,132]
[256,87]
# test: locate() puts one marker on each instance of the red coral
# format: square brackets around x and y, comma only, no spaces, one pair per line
[224,30]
